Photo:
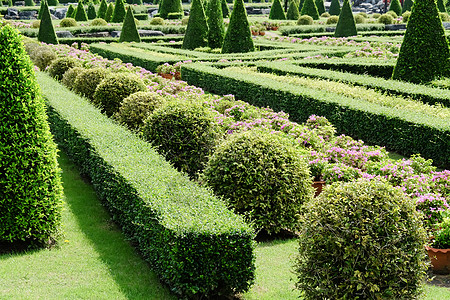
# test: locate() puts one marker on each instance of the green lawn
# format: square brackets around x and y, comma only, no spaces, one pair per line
[94,260]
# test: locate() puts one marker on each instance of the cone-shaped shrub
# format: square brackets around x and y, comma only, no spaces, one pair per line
[137,2]
[346,25]
[441,7]
[277,12]
[225,9]
[80,14]
[119,12]
[53,2]
[46,32]
[129,30]
[407,5]
[335,8]
[29,3]
[169,6]
[41,9]
[320,6]
[216,29]
[293,13]
[396,7]
[102,9]
[310,9]
[238,37]
[30,184]
[300,5]
[70,11]
[91,13]
[197,28]
[424,53]
[109,12]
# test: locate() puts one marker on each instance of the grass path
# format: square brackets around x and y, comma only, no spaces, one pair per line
[94,261]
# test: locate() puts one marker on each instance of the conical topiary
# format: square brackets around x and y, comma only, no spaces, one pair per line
[80,14]
[129,30]
[197,28]
[407,5]
[293,13]
[300,5]
[30,183]
[91,13]
[396,7]
[320,6]
[119,12]
[53,2]
[70,11]
[441,7]
[216,29]
[41,9]
[424,53]
[309,8]
[29,3]
[238,37]
[169,6]
[277,12]
[109,12]
[225,9]
[101,13]
[138,2]
[335,8]
[346,24]
[46,32]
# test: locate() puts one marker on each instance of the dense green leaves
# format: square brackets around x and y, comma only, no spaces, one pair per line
[309,8]
[238,37]
[197,28]
[102,10]
[396,7]
[216,29]
[277,11]
[80,12]
[46,30]
[129,30]
[169,6]
[346,24]
[119,12]
[335,8]
[293,12]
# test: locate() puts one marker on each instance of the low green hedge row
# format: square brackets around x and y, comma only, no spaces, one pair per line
[289,30]
[404,132]
[191,239]
[416,91]
[146,39]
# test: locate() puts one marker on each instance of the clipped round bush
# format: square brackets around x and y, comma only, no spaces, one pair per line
[60,66]
[114,88]
[262,176]
[332,20]
[361,240]
[305,20]
[99,22]
[137,107]
[325,15]
[392,13]
[36,24]
[405,16]
[386,19]
[363,14]
[157,21]
[70,77]
[444,17]
[68,22]
[185,21]
[376,15]
[43,57]
[360,19]
[87,81]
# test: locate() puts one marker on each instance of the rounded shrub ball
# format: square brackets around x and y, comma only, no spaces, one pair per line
[36,24]
[376,15]
[325,15]
[86,82]
[99,22]
[60,66]
[70,77]
[43,57]
[305,20]
[68,22]
[405,16]
[184,21]
[114,88]
[332,20]
[137,107]
[263,176]
[157,21]
[361,240]
[359,19]
[185,132]
[386,19]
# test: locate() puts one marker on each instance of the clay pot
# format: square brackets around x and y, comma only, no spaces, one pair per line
[440,260]
[164,75]
[318,186]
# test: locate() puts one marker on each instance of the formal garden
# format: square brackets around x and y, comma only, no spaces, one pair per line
[224,150]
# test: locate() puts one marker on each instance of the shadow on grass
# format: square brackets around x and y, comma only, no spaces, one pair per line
[128,269]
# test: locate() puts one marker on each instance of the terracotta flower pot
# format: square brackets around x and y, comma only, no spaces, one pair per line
[177,75]
[164,75]
[318,186]
[262,33]
[440,260]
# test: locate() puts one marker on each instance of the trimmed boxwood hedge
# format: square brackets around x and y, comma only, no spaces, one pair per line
[191,239]
[405,132]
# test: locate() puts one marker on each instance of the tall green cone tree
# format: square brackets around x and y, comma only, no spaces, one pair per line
[197,28]
[238,38]
[424,53]
[80,14]
[293,13]
[41,9]
[119,12]
[91,13]
[109,12]
[46,32]
[441,7]
[29,3]
[346,25]
[138,2]
[396,7]
[102,9]
[407,5]
[129,29]
[70,11]
[10,3]
[30,183]
[216,28]
[53,2]
[276,11]
[309,8]
[335,8]
[320,6]
[300,5]
[225,9]
[169,6]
